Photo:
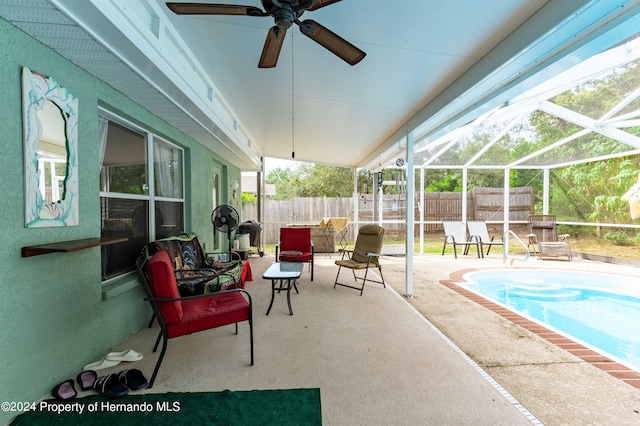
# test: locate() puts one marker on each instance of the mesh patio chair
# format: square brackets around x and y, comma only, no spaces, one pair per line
[456,234]
[478,231]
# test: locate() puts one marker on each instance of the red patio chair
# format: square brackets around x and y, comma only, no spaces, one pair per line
[295,245]
[179,316]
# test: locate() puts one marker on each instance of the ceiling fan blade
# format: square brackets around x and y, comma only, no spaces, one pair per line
[272,46]
[331,41]
[317,4]
[214,9]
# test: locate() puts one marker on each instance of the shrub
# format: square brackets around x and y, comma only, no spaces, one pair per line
[618,238]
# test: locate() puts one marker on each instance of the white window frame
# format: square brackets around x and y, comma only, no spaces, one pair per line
[151,198]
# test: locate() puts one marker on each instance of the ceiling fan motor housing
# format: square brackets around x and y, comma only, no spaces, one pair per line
[284,18]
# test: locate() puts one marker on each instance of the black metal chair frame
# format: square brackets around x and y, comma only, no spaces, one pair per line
[353,271]
[163,334]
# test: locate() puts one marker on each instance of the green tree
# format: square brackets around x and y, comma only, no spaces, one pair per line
[311,180]
[443,181]
[286,182]
[591,191]
[322,180]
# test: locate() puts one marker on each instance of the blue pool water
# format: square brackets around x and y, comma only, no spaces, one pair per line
[602,311]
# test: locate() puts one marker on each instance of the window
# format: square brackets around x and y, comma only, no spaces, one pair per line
[132,205]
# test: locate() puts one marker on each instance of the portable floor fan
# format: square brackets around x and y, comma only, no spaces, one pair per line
[225,219]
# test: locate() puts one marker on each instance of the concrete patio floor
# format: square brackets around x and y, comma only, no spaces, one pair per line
[378,361]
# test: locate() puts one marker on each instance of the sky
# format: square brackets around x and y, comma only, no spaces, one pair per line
[274,163]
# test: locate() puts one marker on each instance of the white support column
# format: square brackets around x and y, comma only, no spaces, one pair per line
[464,194]
[505,203]
[375,198]
[545,191]
[410,219]
[356,201]
[380,195]
[421,210]
[261,199]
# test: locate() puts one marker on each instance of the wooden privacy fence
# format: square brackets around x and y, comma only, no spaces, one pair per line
[307,211]
[482,204]
[444,206]
[488,203]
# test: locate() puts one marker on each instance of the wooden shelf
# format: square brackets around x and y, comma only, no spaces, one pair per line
[68,246]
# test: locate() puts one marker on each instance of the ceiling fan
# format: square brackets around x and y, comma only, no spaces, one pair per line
[285,13]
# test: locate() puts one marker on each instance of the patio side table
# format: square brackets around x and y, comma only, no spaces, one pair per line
[283,276]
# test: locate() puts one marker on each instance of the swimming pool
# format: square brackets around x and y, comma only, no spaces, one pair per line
[599,310]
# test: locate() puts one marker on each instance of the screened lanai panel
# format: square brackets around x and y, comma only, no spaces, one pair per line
[421,157]
[491,178]
[579,149]
[460,151]
[603,91]
[506,141]
[597,96]
[591,192]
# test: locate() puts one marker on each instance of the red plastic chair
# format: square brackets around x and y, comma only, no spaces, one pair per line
[295,245]
[179,316]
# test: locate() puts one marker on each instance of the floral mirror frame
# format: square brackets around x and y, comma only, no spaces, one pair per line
[36,91]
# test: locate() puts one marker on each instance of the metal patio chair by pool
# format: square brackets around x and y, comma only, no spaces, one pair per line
[456,233]
[182,315]
[478,232]
[365,255]
[544,238]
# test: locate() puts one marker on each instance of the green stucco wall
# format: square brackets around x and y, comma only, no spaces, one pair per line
[54,319]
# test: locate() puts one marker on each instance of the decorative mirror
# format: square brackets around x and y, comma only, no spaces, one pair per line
[50,121]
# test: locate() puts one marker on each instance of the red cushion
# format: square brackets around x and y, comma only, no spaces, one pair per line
[209,312]
[296,239]
[162,281]
[290,256]
[302,257]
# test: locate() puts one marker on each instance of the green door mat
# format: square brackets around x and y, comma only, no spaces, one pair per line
[293,407]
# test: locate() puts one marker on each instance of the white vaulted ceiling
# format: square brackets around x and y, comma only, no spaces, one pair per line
[423,57]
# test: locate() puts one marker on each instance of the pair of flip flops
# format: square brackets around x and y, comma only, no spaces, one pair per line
[114,358]
[66,390]
[111,385]
[117,385]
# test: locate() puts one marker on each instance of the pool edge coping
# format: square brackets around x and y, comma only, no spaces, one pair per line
[609,366]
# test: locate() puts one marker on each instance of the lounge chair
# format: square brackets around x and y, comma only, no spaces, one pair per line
[478,231]
[544,238]
[456,234]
